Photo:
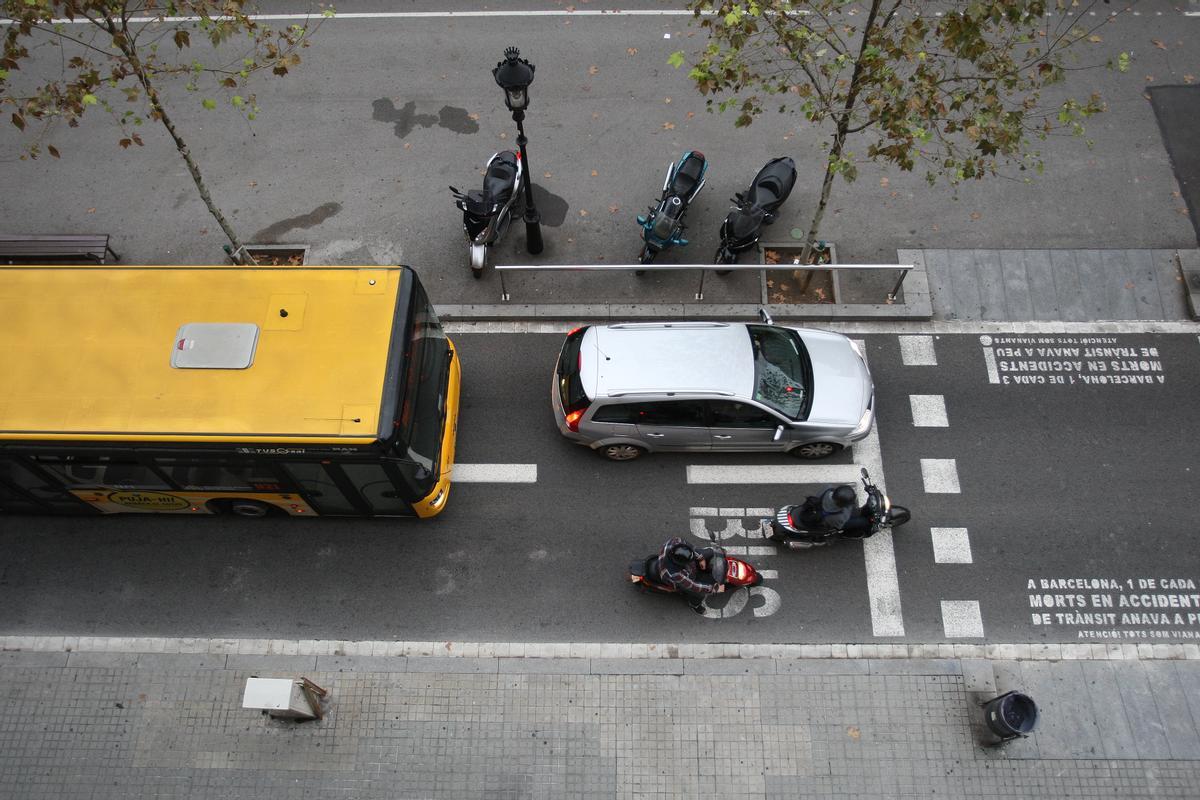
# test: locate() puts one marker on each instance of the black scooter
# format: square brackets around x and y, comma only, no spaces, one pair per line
[487,212]
[788,526]
[753,208]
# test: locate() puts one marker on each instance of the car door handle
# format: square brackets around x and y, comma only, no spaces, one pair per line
[721,436]
[656,435]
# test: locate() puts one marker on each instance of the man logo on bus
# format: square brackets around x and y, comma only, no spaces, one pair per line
[149,501]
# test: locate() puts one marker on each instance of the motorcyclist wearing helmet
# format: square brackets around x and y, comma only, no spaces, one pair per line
[686,568]
[837,510]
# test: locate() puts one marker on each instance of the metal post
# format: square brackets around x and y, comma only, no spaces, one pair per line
[700,291]
[894,293]
[533,231]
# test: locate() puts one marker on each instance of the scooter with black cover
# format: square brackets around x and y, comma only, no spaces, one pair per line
[487,212]
[753,208]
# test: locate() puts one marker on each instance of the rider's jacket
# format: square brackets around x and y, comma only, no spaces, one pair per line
[688,578]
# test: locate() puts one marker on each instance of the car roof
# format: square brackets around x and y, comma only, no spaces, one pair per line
[654,357]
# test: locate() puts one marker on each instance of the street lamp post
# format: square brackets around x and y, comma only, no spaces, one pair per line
[513,75]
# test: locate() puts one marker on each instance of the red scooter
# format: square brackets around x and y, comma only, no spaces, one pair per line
[725,569]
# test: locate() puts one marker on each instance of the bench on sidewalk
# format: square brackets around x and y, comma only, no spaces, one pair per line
[22,248]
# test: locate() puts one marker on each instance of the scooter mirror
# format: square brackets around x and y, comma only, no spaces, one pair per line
[641,220]
[455,190]
[680,242]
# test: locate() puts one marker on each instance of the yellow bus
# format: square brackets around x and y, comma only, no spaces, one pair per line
[305,391]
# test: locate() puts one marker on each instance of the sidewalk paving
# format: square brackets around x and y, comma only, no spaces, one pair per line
[143,718]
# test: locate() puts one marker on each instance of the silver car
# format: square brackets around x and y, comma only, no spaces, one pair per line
[641,387]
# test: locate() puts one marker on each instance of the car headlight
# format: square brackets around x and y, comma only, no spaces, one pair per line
[864,424]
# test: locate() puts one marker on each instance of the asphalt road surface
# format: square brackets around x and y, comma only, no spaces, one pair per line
[1072,457]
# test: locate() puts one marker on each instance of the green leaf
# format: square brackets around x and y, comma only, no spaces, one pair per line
[676,59]
[237,101]
[90,100]
[209,104]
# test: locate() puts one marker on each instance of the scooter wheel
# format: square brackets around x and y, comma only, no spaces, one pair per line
[646,256]
[723,257]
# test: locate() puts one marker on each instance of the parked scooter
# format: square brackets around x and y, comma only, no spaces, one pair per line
[662,228]
[755,207]
[488,212]
[723,568]
[789,527]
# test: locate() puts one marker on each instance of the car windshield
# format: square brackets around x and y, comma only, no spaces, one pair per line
[781,370]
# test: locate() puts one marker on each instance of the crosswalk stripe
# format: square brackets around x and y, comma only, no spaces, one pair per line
[494,473]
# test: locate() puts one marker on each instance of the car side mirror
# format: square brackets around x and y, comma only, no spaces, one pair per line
[778,434]
[765,317]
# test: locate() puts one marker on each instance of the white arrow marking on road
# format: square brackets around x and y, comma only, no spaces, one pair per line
[494,473]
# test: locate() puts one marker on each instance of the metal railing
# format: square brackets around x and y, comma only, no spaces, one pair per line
[704,269]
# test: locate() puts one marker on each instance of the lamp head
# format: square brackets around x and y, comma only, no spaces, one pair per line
[513,75]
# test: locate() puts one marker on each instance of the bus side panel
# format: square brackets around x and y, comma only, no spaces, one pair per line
[172,501]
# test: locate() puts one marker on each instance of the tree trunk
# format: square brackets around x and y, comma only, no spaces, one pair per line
[839,140]
[238,252]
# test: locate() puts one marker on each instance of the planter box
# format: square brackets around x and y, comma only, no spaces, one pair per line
[822,288]
[279,255]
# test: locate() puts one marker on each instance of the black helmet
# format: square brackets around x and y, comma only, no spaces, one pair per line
[844,496]
[681,555]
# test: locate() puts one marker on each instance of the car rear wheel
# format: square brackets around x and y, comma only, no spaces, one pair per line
[815,450]
[622,452]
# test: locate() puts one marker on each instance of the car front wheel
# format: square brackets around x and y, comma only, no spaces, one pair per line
[815,450]
[622,452]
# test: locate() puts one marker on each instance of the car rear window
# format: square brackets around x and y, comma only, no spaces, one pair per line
[570,385]
[782,370]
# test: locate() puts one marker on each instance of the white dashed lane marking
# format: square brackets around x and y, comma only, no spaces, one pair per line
[961,619]
[494,473]
[783,474]
[917,351]
[928,410]
[951,545]
[940,476]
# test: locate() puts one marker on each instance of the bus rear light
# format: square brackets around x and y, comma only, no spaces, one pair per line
[572,420]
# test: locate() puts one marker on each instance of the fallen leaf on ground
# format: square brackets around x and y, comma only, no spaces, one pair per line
[613,209]
[547,175]
[884,182]
[593,69]
[666,99]
[595,174]
[583,212]
[252,184]
[976,215]
[1158,44]
[91,211]
[632,51]
[668,126]
[1149,77]
[408,145]
[1095,38]
[853,733]
[1129,285]
[595,115]
[473,116]
[691,114]
[1189,78]
[504,136]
